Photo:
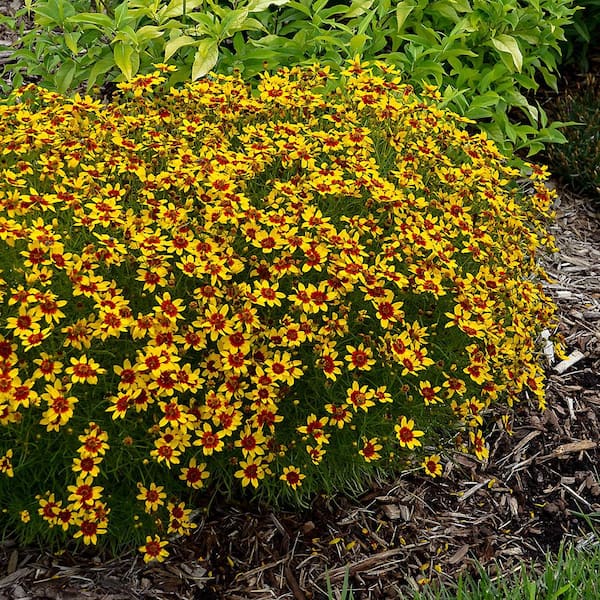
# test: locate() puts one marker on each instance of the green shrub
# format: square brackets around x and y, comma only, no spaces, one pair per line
[581,34]
[283,292]
[486,56]
[577,162]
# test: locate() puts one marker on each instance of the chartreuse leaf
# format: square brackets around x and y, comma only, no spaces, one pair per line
[96,20]
[260,5]
[175,8]
[125,58]
[179,42]
[403,10]
[508,44]
[206,57]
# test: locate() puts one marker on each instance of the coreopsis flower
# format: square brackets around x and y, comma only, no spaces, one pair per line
[429,393]
[360,396]
[94,441]
[359,357]
[60,406]
[49,508]
[154,549]
[194,474]
[87,465]
[179,519]
[251,442]
[432,465]
[407,434]
[482,452]
[251,472]
[6,466]
[315,428]
[329,364]
[316,453]
[153,496]
[340,415]
[48,367]
[89,528]
[84,370]
[370,449]
[210,441]
[169,308]
[292,477]
[84,493]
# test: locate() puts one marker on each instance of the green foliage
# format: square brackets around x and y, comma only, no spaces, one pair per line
[272,292]
[577,161]
[485,56]
[582,34]
[567,575]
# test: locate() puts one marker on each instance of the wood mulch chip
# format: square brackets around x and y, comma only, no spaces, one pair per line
[525,501]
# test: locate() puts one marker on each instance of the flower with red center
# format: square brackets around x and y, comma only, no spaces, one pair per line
[119,405]
[49,308]
[23,324]
[251,472]
[250,442]
[479,446]
[406,434]
[89,529]
[87,465]
[329,364]
[165,452]
[267,294]
[316,453]
[370,449]
[84,370]
[209,440]
[292,477]
[429,392]
[315,428]
[194,474]
[49,508]
[48,367]
[172,309]
[84,493]
[154,549]
[216,321]
[340,415]
[360,358]
[94,441]
[432,465]
[360,396]
[153,496]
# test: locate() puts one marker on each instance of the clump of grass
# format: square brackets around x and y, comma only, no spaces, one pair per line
[274,291]
[577,161]
[567,575]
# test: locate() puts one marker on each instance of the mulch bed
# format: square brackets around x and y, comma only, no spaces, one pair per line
[524,502]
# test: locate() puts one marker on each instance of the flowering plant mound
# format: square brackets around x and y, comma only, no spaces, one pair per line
[280,290]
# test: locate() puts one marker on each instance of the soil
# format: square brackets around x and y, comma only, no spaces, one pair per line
[525,501]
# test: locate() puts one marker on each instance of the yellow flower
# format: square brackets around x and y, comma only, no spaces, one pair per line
[194,474]
[432,465]
[251,472]
[370,449]
[406,434]
[6,463]
[84,370]
[154,549]
[153,496]
[292,476]
[359,357]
